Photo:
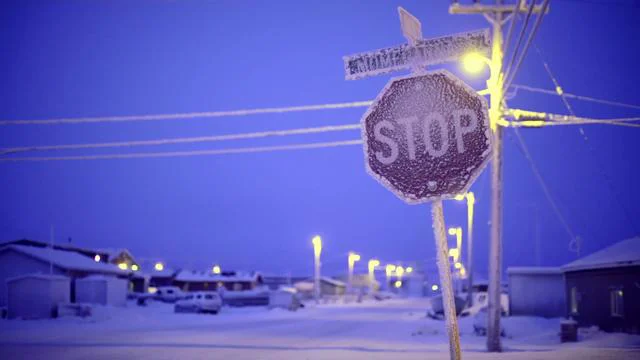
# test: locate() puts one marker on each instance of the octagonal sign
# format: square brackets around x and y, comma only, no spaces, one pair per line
[427,136]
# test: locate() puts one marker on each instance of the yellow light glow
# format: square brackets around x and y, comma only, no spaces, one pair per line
[473,62]
[454,253]
[452,231]
[317,245]
[389,269]
[399,270]
[216,269]
[372,265]
[459,197]
[409,270]
[397,284]
[135,267]
[96,258]
[434,287]
[463,272]
[122,266]
[152,290]
[353,257]
[159,266]
[457,265]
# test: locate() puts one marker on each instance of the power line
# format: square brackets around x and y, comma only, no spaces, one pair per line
[573,96]
[520,37]
[536,26]
[543,184]
[190,153]
[594,157]
[192,115]
[186,140]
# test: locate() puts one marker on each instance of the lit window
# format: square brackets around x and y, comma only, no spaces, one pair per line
[574,300]
[152,289]
[123,266]
[617,302]
[135,267]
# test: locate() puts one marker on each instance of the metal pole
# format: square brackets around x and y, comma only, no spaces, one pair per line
[442,250]
[52,235]
[317,279]
[495,247]
[350,281]
[470,204]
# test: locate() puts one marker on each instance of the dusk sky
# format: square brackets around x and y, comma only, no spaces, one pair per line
[66,59]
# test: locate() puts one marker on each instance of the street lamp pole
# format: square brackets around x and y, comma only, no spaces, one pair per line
[471,201]
[372,266]
[353,257]
[389,269]
[317,249]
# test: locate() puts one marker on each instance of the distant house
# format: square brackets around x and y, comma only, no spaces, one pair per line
[96,255]
[189,280]
[328,286]
[536,291]
[603,288]
[275,282]
[122,258]
[19,260]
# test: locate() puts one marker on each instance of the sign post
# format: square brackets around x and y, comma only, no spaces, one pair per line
[427,135]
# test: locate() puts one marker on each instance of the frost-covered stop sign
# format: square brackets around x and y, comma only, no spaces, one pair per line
[427,136]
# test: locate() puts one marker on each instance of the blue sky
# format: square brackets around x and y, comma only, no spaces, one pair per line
[260,211]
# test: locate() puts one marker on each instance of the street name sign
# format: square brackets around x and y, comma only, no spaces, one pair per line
[427,136]
[424,52]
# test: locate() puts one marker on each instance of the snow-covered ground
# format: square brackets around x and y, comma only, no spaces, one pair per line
[392,329]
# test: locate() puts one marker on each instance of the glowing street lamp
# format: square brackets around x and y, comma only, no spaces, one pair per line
[159,266]
[353,257]
[471,201]
[399,272]
[409,269]
[457,231]
[317,249]
[216,269]
[474,62]
[96,258]
[372,266]
[388,271]
[135,267]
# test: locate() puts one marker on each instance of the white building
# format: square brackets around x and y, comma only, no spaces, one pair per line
[537,291]
[18,260]
[102,290]
[36,296]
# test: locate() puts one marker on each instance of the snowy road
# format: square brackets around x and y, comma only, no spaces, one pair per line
[377,330]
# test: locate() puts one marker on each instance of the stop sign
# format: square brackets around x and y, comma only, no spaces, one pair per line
[427,137]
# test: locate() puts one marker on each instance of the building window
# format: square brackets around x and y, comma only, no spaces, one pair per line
[574,300]
[617,302]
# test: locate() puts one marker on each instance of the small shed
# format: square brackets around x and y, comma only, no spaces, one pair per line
[103,290]
[36,296]
[536,291]
[284,297]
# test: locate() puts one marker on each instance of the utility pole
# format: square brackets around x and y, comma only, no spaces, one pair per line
[496,14]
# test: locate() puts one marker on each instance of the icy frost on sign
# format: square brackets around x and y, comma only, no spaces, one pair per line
[425,52]
[426,137]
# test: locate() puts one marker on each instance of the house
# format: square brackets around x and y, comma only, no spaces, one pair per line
[274,281]
[189,280]
[121,258]
[97,255]
[18,260]
[536,291]
[328,286]
[603,289]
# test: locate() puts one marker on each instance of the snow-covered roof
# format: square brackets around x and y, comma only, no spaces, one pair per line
[333,282]
[207,276]
[534,270]
[39,276]
[114,253]
[66,259]
[623,253]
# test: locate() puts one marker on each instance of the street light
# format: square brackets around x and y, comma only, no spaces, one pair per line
[353,257]
[372,266]
[457,231]
[317,249]
[216,269]
[409,269]
[159,266]
[471,201]
[96,258]
[135,267]
[474,62]
[388,270]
